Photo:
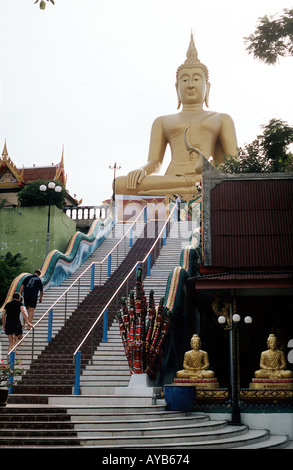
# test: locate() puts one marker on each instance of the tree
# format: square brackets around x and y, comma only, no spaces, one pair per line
[31,195]
[43,4]
[10,267]
[273,38]
[269,152]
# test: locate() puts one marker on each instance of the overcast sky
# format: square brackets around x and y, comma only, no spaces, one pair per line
[92,75]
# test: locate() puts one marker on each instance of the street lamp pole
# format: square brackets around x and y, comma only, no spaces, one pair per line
[233,328]
[52,187]
[114,167]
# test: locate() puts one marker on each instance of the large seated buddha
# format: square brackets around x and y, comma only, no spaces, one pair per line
[193,133]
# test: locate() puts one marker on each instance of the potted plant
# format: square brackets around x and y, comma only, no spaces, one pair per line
[8,376]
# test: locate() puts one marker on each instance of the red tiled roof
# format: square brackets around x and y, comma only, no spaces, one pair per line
[36,173]
[245,279]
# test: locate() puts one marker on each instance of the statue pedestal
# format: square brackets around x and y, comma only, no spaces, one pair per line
[200,384]
[139,385]
[126,208]
[271,384]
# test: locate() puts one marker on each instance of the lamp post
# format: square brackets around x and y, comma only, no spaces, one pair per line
[114,167]
[52,187]
[233,328]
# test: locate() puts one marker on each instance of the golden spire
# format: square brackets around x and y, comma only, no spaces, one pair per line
[5,153]
[192,60]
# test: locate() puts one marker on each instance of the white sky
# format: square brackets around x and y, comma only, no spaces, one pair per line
[92,75]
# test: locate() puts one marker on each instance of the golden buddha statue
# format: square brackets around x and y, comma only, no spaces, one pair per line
[273,362]
[196,362]
[193,134]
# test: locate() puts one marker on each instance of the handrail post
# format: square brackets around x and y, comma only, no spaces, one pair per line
[131,237]
[77,374]
[164,235]
[109,264]
[145,214]
[149,265]
[93,276]
[105,326]
[65,307]
[50,325]
[11,371]
[33,344]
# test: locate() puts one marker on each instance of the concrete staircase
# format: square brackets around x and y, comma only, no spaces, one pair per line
[109,367]
[108,423]
[66,306]
[100,418]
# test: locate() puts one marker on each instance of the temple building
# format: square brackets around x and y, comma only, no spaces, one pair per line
[247,266]
[13,179]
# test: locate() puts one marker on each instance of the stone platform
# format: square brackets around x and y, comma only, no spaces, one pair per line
[200,384]
[271,384]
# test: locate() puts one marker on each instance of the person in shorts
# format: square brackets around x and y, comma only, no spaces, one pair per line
[11,320]
[31,286]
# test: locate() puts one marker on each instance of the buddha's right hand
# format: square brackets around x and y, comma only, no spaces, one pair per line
[134,178]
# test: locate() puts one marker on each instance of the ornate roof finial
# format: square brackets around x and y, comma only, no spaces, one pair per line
[5,153]
[192,60]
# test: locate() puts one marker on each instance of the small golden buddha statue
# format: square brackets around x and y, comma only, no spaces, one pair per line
[272,362]
[196,362]
[192,134]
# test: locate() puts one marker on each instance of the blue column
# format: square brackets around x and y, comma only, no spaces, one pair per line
[50,325]
[92,276]
[11,372]
[149,265]
[109,265]
[105,326]
[131,237]
[77,373]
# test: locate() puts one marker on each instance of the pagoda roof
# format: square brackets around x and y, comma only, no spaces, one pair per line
[10,175]
[13,178]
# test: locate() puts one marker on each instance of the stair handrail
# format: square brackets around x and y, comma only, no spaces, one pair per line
[31,331]
[138,263]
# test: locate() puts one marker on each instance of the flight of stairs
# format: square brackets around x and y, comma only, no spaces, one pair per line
[53,371]
[116,424]
[66,306]
[100,419]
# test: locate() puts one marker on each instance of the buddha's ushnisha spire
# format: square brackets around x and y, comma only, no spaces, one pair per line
[192,60]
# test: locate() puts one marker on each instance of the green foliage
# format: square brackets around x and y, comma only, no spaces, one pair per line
[43,4]
[2,203]
[269,152]
[10,267]
[10,374]
[273,38]
[31,195]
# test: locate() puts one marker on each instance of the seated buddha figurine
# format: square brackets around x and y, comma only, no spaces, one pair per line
[196,362]
[272,362]
[193,134]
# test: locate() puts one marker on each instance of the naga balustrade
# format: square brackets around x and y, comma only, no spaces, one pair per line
[155,248]
[76,285]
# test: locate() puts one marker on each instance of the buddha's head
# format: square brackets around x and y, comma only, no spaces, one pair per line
[195,342]
[272,342]
[192,71]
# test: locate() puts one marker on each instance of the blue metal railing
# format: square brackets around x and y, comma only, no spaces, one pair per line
[76,283]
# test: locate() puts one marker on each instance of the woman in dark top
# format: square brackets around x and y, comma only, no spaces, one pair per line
[11,320]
